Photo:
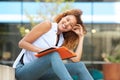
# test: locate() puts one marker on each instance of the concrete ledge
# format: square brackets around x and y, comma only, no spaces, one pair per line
[7,73]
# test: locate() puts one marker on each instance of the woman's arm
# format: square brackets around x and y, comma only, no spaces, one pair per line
[37,31]
[78,51]
[79,48]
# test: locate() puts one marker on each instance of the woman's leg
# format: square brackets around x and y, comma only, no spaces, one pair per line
[59,68]
[38,67]
[80,70]
[49,75]
[75,69]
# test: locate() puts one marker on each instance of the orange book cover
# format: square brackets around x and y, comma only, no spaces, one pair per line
[63,51]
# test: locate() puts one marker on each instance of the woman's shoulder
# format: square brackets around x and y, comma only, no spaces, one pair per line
[43,25]
[47,23]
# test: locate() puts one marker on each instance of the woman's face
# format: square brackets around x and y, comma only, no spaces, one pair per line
[67,23]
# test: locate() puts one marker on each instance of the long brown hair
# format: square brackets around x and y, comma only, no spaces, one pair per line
[71,38]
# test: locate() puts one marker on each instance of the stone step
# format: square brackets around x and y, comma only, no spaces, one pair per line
[7,73]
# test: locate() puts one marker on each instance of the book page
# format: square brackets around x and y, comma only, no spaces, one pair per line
[46,50]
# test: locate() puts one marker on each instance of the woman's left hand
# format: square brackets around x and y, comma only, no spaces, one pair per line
[75,59]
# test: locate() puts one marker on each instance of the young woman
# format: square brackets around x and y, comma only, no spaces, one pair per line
[67,30]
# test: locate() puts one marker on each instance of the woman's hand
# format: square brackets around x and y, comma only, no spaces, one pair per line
[75,59]
[78,30]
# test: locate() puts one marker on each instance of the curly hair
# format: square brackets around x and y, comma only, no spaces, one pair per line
[71,39]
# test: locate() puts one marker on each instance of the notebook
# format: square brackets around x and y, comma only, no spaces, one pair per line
[63,51]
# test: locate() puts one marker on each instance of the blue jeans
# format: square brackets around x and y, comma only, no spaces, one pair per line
[37,68]
[75,69]
[49,66]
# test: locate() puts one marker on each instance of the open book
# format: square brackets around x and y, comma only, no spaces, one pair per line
[63,51]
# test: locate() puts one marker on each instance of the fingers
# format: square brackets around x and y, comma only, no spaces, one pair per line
[78,26]
[78,29]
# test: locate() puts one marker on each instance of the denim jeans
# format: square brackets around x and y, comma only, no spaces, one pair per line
[49,66]
[37,68]
[78,70]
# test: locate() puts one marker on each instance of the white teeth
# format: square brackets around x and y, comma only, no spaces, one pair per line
[63,26]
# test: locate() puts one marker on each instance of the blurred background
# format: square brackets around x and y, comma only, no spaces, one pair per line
[101,18]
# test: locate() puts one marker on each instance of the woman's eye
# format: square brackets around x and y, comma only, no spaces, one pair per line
[67,19]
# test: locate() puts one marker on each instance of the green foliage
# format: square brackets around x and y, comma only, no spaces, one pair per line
[114,58]
[23,30]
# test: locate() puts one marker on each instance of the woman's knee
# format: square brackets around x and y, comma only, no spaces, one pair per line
[55,54]
[80,66]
